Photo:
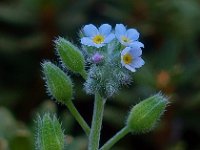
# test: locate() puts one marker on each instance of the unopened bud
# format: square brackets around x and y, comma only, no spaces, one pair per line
[49,133]
[59,85]
[97,58]
[145,115]
[71,56]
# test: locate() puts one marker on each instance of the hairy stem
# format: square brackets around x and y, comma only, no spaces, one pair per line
[94,137]
[78,117]
[84,74]
[124,131]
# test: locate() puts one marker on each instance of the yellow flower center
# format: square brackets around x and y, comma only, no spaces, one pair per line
[125,39]
[98,39]
[127,59]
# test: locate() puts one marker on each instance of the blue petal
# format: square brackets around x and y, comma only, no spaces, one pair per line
[120,30]
[98,45]
[137,62]
[124,43]
[126,50]
[87,41]
[136,44]
[105,29]
[132,34]
[136,52]
[90,30]
[129,67]
[109,38]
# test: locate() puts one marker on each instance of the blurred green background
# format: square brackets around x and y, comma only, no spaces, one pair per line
[170,30]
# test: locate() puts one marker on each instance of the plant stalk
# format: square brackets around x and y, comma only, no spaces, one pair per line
[78,117]
[97,118]
[124,131]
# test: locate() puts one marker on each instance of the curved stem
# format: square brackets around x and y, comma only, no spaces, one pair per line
[84,74]
[78,117]
[97,118]
[124,131]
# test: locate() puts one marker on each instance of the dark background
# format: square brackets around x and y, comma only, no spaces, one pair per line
[170,30]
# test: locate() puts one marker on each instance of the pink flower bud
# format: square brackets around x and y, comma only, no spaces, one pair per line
[96,58]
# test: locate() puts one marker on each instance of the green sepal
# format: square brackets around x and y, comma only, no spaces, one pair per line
[71,56]
[144,116]
[49,134]
[59,85]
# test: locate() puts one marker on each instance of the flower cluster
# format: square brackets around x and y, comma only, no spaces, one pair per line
[113,55]
[99,37]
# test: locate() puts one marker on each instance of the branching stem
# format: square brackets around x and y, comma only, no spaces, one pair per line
[78,117]
[124,131]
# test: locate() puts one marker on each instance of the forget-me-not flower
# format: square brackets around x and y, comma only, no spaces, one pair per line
[127,37]
[131,58]
[97,37]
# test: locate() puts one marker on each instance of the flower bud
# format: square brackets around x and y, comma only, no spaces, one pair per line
[71,56]
[97,58]
[59,85]
[145,115]
[49,133]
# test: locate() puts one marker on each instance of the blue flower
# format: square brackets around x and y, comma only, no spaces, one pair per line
[131,58]
[127,37]
[97,37]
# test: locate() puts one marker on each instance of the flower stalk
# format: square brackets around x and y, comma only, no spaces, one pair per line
[94,137]
[119,135]
[78,117]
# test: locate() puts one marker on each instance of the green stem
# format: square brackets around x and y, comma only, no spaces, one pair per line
[124,131]
[78,117]
[84,74]
[94,137]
